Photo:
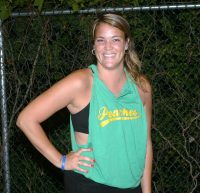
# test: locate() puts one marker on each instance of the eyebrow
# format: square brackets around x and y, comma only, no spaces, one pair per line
[111,37]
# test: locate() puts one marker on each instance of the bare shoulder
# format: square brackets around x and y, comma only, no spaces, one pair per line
[80,79]
[145,90]
[72,84]
[78,85]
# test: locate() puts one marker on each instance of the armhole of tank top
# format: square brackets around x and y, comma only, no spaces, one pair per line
[138,94]
[89,132]
[132,81]
[91,99]
[73,137]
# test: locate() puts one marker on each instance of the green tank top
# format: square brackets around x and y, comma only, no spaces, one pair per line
[117,134]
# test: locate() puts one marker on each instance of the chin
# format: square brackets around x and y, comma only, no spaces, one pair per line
[110,65]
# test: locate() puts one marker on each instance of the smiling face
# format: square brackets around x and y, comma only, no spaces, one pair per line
[110,46]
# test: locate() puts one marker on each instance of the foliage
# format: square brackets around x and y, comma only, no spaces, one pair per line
[6,7]
[41,50]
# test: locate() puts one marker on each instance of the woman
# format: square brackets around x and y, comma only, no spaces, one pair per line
[110,106]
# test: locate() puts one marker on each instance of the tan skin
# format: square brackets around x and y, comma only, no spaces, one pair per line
[74,93]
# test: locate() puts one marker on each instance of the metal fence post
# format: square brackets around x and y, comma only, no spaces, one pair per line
[5,140]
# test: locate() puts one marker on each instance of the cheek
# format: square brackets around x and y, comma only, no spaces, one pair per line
[98,47]
[97,53]
[120,47]
[98,50]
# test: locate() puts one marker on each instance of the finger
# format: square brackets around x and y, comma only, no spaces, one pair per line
[86,164]
[81,170]
[86,159]
[84,149]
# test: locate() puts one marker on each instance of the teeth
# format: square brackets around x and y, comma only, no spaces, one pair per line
[108,55]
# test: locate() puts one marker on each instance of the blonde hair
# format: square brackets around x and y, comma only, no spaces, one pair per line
[132,62]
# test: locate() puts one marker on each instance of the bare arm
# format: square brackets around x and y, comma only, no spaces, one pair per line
[65,93]
[147,176]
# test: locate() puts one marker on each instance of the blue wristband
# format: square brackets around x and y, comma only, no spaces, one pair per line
[63,162]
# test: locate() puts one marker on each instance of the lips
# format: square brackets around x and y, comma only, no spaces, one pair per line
[109,55]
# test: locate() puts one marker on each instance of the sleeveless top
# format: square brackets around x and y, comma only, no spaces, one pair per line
[117,134]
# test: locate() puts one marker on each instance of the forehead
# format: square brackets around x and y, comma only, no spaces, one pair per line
[105,30]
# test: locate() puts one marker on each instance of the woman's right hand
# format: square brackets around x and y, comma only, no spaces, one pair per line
[75,160]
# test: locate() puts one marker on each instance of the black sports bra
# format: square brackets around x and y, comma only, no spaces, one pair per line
[80,120]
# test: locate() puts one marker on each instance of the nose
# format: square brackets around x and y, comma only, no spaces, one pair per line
[108,45]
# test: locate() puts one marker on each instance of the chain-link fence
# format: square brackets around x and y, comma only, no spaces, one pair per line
[41,50]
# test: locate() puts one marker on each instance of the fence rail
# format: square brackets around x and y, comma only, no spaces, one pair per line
[109,9]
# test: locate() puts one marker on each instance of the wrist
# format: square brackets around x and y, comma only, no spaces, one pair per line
[63,162]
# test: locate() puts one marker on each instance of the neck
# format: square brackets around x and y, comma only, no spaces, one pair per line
[114,75]
[114,79]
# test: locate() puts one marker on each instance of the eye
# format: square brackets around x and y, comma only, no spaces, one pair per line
[99,40]
[116,40]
